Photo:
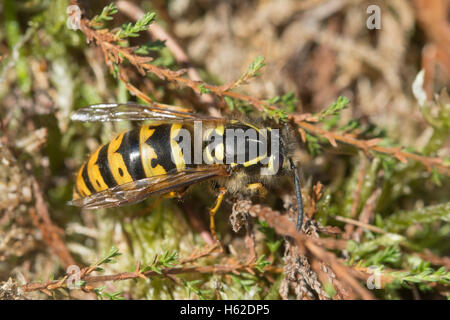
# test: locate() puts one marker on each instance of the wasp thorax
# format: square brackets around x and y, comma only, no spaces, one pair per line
[235,144]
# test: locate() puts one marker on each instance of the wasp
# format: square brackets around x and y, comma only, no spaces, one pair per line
[175,149]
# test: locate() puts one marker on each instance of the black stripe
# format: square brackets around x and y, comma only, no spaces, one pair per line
[131,154]
[103,166]
[160,142]
[86,180]
[75,187]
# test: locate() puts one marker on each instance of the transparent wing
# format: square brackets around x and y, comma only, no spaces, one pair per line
[136,112]
[139,190]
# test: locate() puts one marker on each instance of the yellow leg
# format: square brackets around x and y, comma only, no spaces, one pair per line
[175,194]
[213,211]
[252,187]
[171,195]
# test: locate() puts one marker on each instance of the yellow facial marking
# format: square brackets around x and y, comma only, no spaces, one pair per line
[116,163]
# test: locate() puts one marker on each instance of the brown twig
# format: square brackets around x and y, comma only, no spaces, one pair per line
[216,269]
[359,223]
[285,227]
[367,212]
[51,233]
[198,224]
[356,196]
[433,259]
[158,32]
[137,273]
[372,145]
[250,242]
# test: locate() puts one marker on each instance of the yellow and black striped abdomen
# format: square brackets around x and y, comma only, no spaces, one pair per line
[132,155]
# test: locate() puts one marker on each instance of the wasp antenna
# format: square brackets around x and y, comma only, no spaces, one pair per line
[298,193]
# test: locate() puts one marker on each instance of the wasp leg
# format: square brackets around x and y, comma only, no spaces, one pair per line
[150,208]
[213,211]
[173,194]
[252,187]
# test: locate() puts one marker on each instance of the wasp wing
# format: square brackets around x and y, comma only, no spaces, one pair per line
[139,190]
[136,112]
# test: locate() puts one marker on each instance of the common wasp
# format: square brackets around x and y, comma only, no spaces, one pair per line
[176,149]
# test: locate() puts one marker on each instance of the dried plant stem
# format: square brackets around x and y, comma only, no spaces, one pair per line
[349,228]
[372,145]
[359,224]
[158,32]
[53,236]
[284,226]
[165,272]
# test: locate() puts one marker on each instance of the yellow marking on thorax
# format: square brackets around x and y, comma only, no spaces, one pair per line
[177,152]
[250,125]
[116,163]
[220,148]
[148,153]
[254,161]
[81,185]
[271,166]
[207,151]
[94,174]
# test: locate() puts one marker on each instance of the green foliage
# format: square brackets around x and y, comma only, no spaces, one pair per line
[346,203]
[261,263]
[166,260]
[278,115]
[313,145]
[230,103]
[389,256]
[421,275]
[287,102]
[271,240]
[246,281]
[335,108]
[132,30]
[191,287]
[106,15]
[101,294]
[107,258]
[13,36]
[254,68]
[368,253]
[404,219]
[151,46]
[204,90]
